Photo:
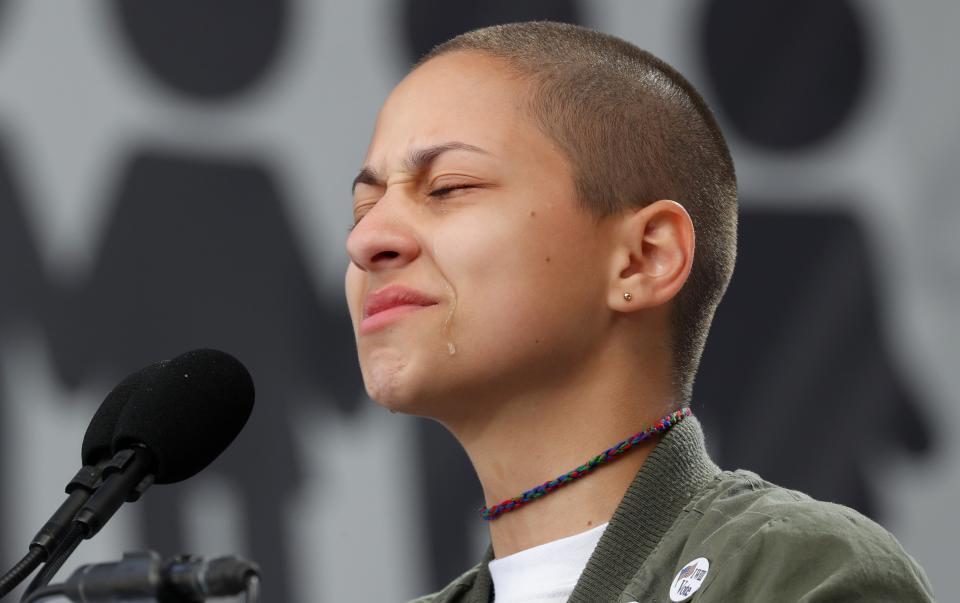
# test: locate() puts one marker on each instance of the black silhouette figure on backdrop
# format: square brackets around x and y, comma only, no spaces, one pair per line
[198,253]
[797,350]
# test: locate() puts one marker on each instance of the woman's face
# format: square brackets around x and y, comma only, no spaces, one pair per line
[465,201]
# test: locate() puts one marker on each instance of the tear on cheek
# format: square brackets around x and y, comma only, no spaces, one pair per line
[446,329]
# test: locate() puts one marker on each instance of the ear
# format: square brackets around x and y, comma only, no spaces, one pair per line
[652,257]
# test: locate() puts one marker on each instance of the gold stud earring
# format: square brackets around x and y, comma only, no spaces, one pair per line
[627,296]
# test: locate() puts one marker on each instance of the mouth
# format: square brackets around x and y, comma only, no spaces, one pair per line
[391,303]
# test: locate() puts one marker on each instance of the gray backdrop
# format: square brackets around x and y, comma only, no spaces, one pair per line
[175,175]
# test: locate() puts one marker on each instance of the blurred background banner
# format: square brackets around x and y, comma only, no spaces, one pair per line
[176,175]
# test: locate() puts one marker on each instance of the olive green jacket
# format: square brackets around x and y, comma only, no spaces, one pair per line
[762,542]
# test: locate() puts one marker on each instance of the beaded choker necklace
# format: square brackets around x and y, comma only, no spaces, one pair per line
[607,456]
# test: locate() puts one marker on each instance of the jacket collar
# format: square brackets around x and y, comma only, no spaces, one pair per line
[676,469]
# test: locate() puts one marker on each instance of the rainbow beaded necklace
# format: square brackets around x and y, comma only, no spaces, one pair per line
[607,456]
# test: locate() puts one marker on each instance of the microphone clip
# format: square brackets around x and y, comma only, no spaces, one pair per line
[119,463]
[143,577]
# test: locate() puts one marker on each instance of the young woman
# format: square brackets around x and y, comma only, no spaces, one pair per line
[545,224]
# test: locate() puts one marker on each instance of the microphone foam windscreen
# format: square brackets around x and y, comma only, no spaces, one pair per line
[98,440]
[187,412]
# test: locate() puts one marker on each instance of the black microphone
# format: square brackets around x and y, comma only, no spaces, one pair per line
[97,445]
[96,450]
[180,418]
[183,413]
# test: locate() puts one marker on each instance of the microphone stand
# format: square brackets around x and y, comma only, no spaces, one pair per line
[125,478]
[54,532]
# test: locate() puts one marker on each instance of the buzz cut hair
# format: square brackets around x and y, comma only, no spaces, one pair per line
[634,131]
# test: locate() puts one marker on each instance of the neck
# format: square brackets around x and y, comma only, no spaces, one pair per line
[528,438]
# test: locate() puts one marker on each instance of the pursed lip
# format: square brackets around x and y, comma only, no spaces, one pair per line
[393,296]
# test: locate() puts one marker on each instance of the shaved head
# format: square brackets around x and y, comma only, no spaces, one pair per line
[635,131]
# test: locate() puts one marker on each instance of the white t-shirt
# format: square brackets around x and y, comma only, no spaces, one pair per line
[545,573]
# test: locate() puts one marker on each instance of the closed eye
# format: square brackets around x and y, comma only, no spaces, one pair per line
[446,191]
[438,193]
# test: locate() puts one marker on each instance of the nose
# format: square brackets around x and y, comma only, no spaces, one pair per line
[383,239]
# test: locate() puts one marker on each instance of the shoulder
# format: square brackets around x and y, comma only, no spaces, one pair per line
[744,507]
[770,542]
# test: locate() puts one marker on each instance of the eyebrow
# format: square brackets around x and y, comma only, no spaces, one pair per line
[417,160]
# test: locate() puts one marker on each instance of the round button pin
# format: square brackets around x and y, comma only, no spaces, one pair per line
[689,579]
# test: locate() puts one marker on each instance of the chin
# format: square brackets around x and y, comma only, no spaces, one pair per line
[402,380]
[391,391]
[388,380]
[397,398]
